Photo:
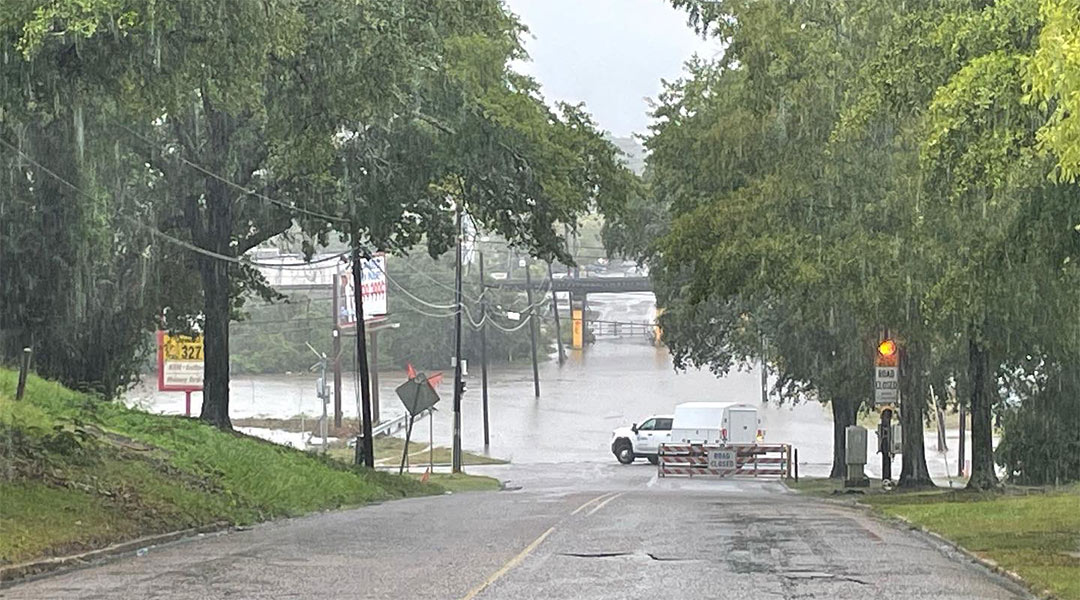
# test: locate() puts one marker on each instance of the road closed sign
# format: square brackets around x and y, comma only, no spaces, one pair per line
[723,459]
[886,385]
[180,363]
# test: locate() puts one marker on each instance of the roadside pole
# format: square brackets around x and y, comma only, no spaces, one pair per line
[24,370]
[455,466]
[886,396]
[963,432]
[483,352]
[361,353]
[337,351]
[374,376]
[555,311]
[532,328]
[885,444]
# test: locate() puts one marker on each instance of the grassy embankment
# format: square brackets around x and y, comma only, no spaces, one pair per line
[77,473]
[387,448]
[1034,533]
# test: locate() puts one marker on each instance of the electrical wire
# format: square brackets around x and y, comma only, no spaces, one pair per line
[291,207]
[152,230]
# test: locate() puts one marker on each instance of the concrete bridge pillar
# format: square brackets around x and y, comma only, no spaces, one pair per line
[578,316]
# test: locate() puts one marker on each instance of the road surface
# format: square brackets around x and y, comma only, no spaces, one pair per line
[588,531]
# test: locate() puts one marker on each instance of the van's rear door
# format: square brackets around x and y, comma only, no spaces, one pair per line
[742,425]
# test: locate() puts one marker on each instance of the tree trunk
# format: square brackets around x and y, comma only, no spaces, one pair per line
[914,389]
[215,280]
[843,411]
[983,476]
[215,272]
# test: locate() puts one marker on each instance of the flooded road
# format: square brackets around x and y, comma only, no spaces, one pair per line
[609,384]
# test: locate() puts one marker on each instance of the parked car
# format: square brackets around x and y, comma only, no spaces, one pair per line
[641,441]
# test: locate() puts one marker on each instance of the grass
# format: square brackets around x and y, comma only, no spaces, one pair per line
[1026,531]
[461,482]
[77,473]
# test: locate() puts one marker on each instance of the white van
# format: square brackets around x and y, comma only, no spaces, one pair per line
[716,423]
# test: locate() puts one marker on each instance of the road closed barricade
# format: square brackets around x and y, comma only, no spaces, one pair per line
[705,460]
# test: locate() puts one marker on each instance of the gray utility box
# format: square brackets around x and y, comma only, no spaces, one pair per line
[855,456]
[855,445]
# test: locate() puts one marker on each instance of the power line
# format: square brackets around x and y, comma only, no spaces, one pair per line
[155,231]
[232,184]
[152,230]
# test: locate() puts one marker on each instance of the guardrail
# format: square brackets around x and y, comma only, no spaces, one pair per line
[390,427]
[706,460]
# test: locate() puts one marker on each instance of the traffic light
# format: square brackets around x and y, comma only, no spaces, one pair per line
[887,353]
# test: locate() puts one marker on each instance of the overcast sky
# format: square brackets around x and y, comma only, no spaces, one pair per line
[610,54]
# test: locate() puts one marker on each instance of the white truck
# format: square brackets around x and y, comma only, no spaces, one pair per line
[716,423]
[641,441]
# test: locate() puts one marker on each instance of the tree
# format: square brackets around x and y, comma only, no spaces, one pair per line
[364,119]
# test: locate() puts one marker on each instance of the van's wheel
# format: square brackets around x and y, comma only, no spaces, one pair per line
[654,459]
[625,453]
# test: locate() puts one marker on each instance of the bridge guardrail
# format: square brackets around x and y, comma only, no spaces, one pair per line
[725,460]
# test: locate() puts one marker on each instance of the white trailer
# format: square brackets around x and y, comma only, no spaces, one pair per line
[716,423]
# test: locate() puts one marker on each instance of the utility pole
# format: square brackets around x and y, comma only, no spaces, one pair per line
[456,451]
[963,432]
[374,375]
[337,351]
[532,328]
[555,311]
[483,351]
[361,353]
[764,374]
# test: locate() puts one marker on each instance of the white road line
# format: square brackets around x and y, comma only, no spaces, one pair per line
[591,502]
[603,504]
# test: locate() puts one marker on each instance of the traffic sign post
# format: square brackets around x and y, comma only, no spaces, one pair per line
[886,397]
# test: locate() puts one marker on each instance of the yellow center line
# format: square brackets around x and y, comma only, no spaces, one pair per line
[603,504]
[590,502]
[513,562]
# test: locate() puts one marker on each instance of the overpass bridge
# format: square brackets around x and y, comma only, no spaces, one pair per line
[582,286]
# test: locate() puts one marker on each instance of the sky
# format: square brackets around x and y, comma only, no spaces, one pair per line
[609,54]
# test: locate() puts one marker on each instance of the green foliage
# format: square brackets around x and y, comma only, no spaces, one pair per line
[850,166]
[1055,78]
[224,124]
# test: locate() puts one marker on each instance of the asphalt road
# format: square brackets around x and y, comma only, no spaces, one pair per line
[602,531]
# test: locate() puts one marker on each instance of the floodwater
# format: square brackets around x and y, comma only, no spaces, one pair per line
[610,384]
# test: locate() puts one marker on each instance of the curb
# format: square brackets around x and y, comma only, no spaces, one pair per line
[17,573]
[986,563]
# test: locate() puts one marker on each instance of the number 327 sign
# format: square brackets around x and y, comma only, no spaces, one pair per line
[180,363]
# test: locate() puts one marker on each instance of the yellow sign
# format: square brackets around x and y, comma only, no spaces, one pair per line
[578,340]
[182,348]
[180,362]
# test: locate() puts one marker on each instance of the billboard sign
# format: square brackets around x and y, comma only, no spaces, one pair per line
[372,287]
[180,363]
